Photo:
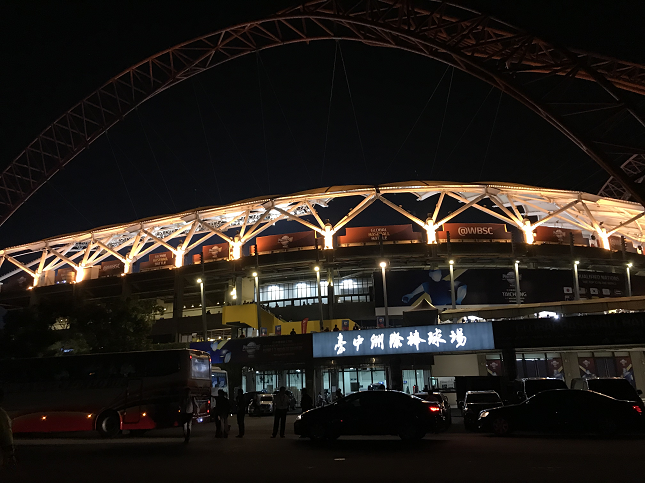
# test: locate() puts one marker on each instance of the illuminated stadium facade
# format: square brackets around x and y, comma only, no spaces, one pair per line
[482,251]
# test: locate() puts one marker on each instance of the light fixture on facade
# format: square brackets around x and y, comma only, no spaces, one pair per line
[199,280]
[382,264]
[577,262]
[451,262]
[317,268]
[629,265]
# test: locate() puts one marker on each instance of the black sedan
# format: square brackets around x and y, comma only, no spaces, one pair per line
[564,410]
[371,413]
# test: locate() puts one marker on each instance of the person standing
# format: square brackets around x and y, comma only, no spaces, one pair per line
[6,437]
[339,394]
[239,403]
[281,403]
[223,409]
[306,401]
[188,406]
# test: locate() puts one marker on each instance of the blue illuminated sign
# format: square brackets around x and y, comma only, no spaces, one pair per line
[405,340]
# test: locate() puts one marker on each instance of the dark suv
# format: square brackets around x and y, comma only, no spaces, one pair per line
[530,386]
[475,402]
[616,387]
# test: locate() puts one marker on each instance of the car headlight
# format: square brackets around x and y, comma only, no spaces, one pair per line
[484,414]
[299,417]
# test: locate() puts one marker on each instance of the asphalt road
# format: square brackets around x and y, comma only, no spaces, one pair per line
[456,455]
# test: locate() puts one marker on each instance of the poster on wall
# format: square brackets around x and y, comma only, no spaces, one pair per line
[494,367]
[219,251]
[497,286]
[624,368]
[587,366]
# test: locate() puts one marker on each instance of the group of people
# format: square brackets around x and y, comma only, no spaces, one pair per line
[222,410]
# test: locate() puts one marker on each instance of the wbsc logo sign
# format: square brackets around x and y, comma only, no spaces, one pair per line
[475,230]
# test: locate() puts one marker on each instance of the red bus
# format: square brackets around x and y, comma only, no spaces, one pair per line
[134,391]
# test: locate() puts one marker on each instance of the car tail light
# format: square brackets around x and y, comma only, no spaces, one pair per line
[637,408]
[434,409]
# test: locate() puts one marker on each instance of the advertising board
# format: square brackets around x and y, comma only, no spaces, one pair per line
[366,234]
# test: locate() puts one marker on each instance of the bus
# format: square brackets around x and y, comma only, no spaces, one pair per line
[109,393]
[219,380]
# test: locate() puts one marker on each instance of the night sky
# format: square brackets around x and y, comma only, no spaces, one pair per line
[263,124]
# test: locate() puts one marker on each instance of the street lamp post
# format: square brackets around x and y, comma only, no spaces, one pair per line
[518,294]
[387,316]
[576,285]
[629,279]
[320,304]
[452,284]
[204,325]
[257,300]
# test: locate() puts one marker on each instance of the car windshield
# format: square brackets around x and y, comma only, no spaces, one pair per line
[532,387]
[482,398]
[616,388]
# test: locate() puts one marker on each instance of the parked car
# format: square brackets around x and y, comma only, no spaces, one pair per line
[377,386]
[292,399]
[442,401]
[261,404]
[616,387]
[371,413]
[530,386]
[475,402]
[564,410]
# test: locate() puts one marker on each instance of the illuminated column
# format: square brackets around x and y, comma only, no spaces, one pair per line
[236,248]
[387,317]
[518,294]
[80,273]
[431,231]
[576,285]
[604,238]
[179,258]
[628,279]
[127,265]
[452,284]
[320,304]
[329,237]
[528,232]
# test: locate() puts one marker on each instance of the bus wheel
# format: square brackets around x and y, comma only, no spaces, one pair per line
[108,424]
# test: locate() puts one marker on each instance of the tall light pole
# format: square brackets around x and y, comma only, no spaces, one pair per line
[257,300]
[576,285]
[383,264]
[629,279]
[320,305]
[518,294]
[452,284]
[204,325]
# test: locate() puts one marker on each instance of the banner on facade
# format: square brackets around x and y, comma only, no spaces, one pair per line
[365,234]
[345,324]
[380,322]
[278,330]
[263,331]
[218,251]
[113,268]
[283,242]
[157,261]
[303,325]
[474,231]
[405,340]
[559,236]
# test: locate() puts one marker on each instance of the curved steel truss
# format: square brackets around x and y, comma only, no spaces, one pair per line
[240,222]
[602,118]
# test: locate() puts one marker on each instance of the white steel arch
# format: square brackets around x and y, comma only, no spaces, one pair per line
[238,222]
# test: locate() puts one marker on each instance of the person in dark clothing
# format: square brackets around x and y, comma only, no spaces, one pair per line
[293,332]
[281,403]
[223,409]
[239,403]
[356,327]
[339,394]
[335,329]
[306,401]
[188,408]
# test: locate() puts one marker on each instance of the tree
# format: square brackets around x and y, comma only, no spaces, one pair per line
[115,326]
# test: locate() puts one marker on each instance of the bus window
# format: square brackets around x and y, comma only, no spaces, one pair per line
[200,367]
